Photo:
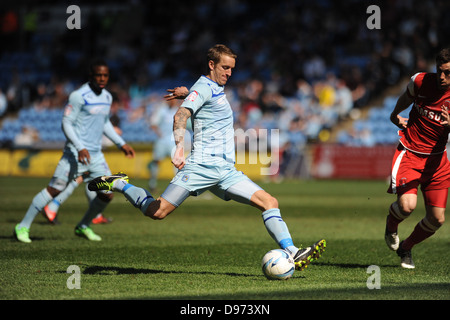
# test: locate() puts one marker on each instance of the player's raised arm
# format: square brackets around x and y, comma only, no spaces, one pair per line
[179,129]
[176,93]
[109,132]
[128,150]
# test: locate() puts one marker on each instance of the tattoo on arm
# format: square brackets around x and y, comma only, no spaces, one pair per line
[179,125]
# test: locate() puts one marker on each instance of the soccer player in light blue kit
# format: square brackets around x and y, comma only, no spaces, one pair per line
[210,165]
[85,120]
[161,123]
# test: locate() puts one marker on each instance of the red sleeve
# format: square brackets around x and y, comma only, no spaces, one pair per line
[415,84]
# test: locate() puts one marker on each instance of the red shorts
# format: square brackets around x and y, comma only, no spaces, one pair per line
[431,172]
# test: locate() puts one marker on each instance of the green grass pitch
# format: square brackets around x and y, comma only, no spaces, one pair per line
[209,249]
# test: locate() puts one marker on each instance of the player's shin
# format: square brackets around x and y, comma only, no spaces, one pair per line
[96,206]
[38,203]
[423,230]
[138,197]
[278,229]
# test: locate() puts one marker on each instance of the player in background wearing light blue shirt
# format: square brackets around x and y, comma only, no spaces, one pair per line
[50,211]
[161,122]
[85,120]
[211,163]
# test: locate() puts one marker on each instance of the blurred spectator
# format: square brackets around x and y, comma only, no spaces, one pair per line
[314,68]
[9,29]
[293,156]
[343,101]
[3,103]
[26,138]
[356,138]
[297,59]
[14,93]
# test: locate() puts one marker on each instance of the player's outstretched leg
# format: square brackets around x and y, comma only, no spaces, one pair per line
[305,256]
[106,183]
[138,197]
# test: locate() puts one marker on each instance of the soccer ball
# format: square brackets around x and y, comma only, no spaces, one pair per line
[278,264]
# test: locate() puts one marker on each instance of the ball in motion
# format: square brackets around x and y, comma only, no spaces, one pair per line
[277,264]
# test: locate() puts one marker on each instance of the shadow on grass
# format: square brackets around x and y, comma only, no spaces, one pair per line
[416,291]
[12,238]
[432,291]
[102,270]
[400,291]
[107,270]
[353,265]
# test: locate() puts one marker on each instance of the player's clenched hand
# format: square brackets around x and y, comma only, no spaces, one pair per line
[84,157]
[176,93]
[445,117]
[178,159]
[128,151]
[399,121]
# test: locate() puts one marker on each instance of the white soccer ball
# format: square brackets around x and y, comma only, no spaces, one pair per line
[278,264]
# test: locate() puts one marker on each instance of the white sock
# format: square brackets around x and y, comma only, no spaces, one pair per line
[118,184]
[278,230]
[39,202]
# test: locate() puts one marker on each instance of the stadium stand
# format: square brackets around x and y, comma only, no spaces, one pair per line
[310,61]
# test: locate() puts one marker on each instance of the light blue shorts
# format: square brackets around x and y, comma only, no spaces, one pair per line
[224,181]
[69,168]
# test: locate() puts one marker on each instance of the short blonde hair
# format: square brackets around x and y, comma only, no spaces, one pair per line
[216,52]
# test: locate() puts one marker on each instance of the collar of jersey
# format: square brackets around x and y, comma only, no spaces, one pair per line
[212,81]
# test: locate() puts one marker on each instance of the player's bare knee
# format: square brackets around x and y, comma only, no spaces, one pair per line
[406,207]
[437,221]
[270,202]
[52,191]
[406,210]
[263,200]
[158,215]
[273,202]
[157,210]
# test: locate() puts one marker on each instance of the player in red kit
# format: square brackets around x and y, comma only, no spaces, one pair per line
[421,157]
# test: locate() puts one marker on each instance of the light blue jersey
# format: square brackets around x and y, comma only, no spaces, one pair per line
[210,166]
[86,119]
[212,122]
